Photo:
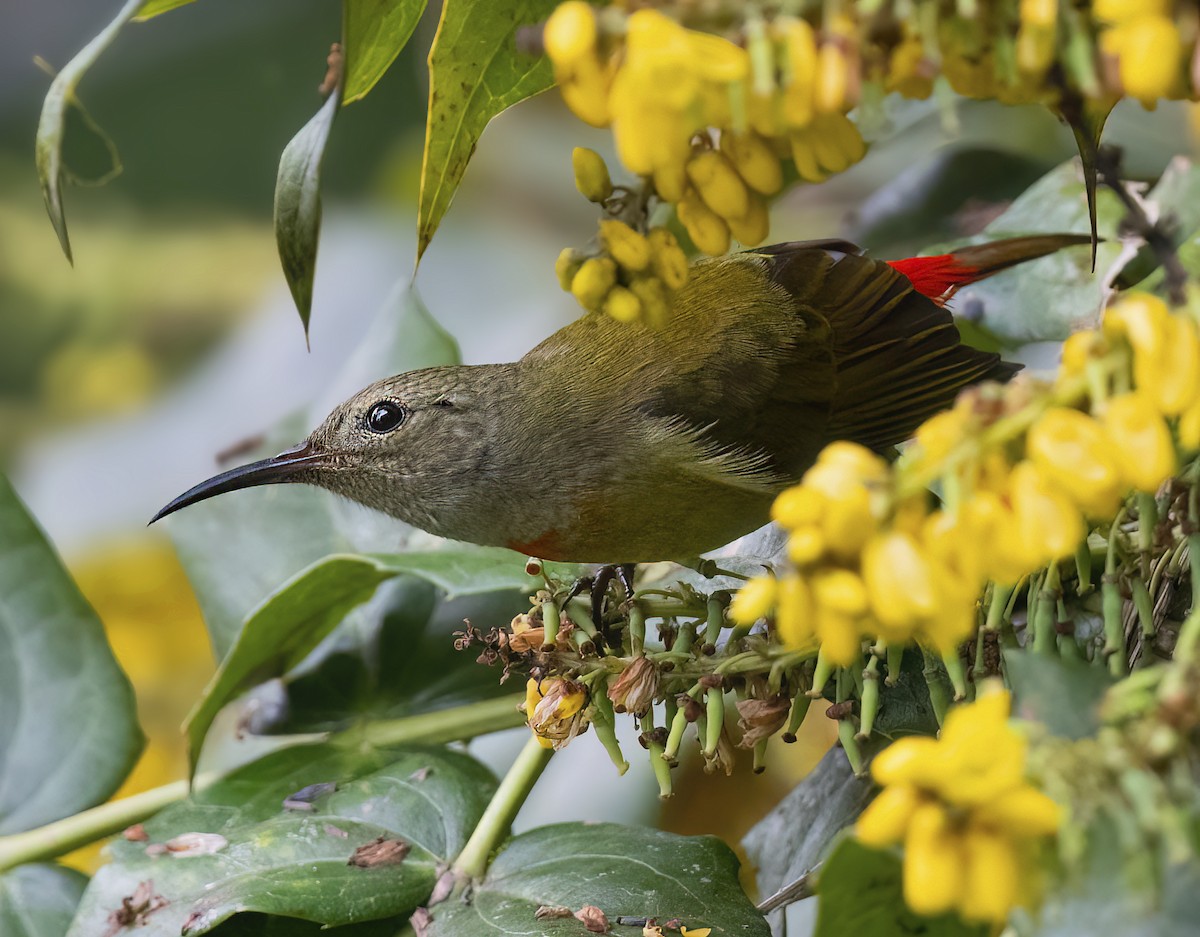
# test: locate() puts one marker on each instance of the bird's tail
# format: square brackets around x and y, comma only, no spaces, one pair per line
[940,275]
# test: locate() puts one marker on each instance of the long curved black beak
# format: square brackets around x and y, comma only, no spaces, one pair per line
[273,471]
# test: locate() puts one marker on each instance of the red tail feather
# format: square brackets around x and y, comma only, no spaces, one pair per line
[939,276]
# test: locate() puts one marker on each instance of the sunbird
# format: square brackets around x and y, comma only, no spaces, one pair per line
[613,442]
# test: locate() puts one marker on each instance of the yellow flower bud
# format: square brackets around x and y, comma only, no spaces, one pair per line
[623,305]
[670,262]
[909,72]
[570,32]
[800,71]
[841,641]
[910,760]
[805,545]
[753,229]
[753,600]
[1117,11]
[717,59]
[591,174]
[991,876]
[1189,428]
[655,300]
[1149,56]
[805,157]
[670,181]
[706,229]
[900,582]
[718,184]
[1023,812]
[585,86]
[1140,441]
[627,247]
[566,266]
[1047,523]
[1071,450]
[754,159]
[797,506]
[841,591]
[593,281]
[886,818]
[829,91]
[933,862]
[794,612]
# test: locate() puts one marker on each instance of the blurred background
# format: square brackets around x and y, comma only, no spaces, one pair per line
[174,338]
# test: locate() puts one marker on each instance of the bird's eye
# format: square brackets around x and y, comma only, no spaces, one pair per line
[385,416]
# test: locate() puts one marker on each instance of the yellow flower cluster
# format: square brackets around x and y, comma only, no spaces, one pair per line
[629,275]
[1140,37]
[961,806]
[689,111]
[863,566]
[870,559]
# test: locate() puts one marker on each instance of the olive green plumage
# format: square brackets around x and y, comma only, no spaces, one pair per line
[611,442]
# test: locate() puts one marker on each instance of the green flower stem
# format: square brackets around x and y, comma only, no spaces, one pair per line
[846,735]
[493,826]
[895,663]
[869,704]
[997,607]
[821,675]
[1083,568]
[551,620]
[62,836]
[605,722]
[1045,638]
[958,677]
[1143,604]
[715,716]
[675,735]
[637,629]
[799,710]
[938,696]
[714,621]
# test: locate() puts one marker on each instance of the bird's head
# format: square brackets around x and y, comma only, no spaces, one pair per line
[398,446]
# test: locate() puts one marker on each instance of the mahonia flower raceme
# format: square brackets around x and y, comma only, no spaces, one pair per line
[963,810]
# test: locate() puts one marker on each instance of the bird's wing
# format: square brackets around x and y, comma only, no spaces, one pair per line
[897,355]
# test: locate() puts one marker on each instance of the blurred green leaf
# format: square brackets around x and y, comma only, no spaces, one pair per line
[298,203]
[69,733]
[623,870]
[1063,695]
[475,73]
[240,547]
[152,8]
[52,123]
[859,893]
[294,620]
[1049,298]
[394,657]
[39,900]
[373,34]
[261,855]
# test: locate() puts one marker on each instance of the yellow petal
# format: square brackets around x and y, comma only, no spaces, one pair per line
[1023,812]
[933,867]
[991,876]
[886,818]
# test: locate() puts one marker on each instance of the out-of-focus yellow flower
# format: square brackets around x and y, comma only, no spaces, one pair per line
[963,810]
[846,476]
[1071,451]
[1140,441]
[1166,350]
[1048,526]
[753,601]
[1149,53]
[794,618]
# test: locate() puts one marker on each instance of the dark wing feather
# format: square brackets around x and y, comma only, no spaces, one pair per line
[897,355]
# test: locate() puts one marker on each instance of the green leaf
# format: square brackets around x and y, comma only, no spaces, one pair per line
[1048,298]
[1062,695]
[52,123]
[241,547]
[475,73]
[152,8]
[298,203]
[792,839]
[68,730]
[622,870]
[39,900]
[295,860]
[293,621]
[394,657]
[859,893]
[373,34]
